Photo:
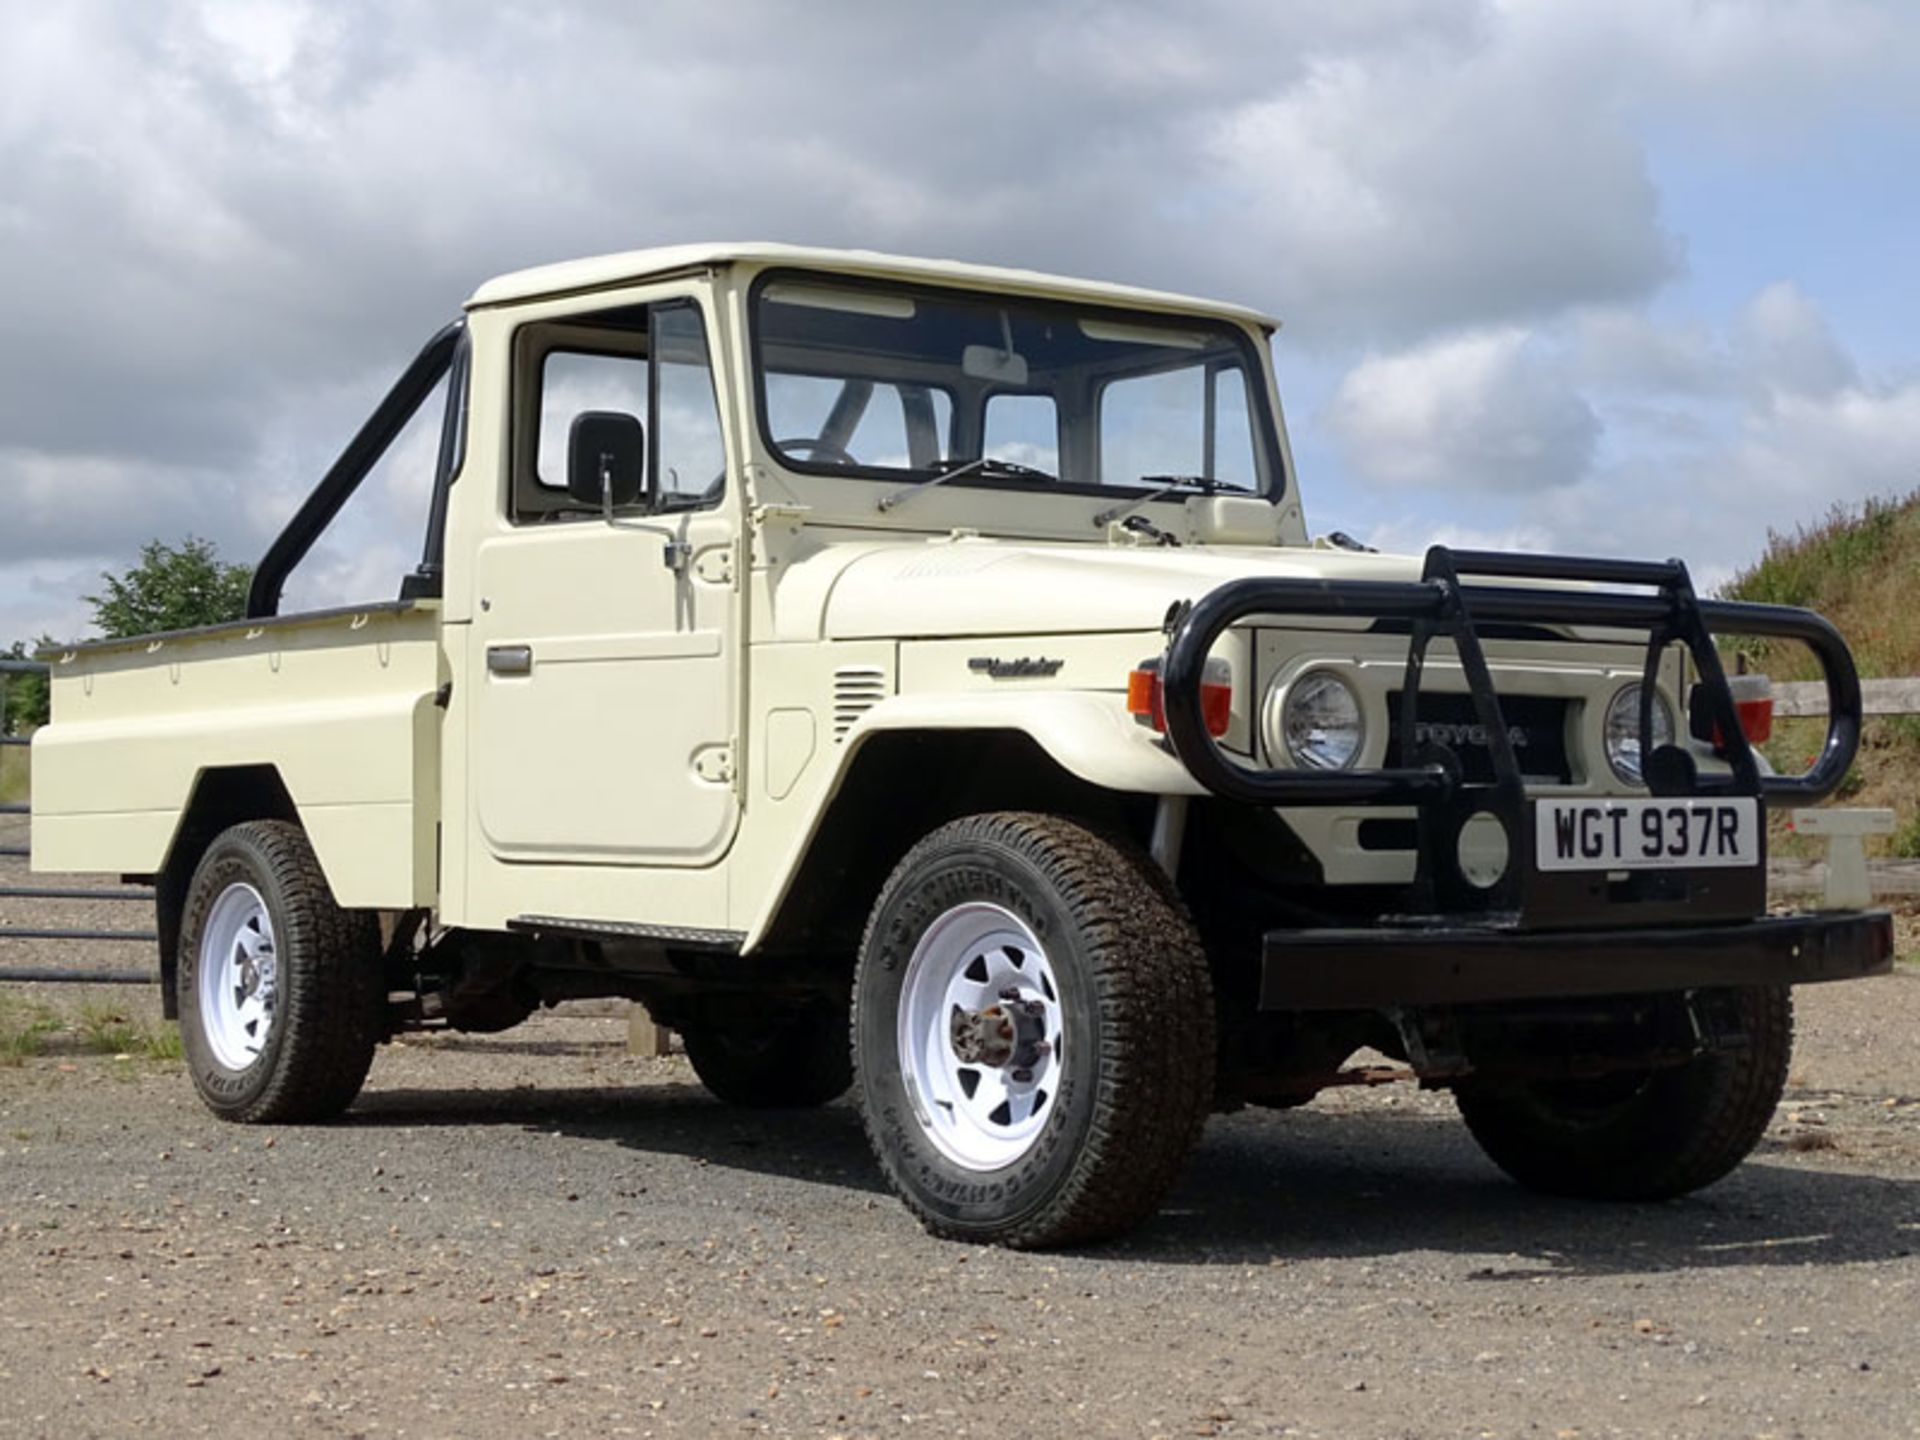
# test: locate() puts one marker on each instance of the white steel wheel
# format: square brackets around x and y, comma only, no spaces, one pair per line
[1033,1031]
[980,1035]
[239,976]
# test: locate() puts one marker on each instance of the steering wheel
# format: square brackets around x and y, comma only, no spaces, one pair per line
[838,454]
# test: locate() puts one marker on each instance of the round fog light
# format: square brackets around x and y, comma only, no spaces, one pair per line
[1483,850]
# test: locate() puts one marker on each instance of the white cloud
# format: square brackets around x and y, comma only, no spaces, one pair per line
[1484,411]
[1406,535]
[1399,193]
[227,223]
[1786,346]
[1610,434]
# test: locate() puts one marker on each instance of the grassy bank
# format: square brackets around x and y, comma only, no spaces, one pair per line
[1860,567]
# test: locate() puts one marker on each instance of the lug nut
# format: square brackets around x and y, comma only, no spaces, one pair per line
[1022,1075]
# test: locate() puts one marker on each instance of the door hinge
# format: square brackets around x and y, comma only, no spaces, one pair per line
[715,566]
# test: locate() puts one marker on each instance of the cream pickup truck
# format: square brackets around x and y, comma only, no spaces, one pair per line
[919,677]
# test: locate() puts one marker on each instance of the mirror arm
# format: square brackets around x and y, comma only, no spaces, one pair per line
[677,554]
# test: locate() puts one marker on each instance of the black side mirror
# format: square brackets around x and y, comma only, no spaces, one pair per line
[606,459]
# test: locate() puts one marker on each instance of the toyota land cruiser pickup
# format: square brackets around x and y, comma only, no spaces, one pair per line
[918,677]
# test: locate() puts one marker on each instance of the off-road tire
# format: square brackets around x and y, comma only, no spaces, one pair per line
[1679,1129]
[330,994]
[789,1064]
[1137,1081]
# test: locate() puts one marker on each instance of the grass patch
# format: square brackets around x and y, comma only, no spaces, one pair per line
[1904,843]
[24,1027]
[107,1029]
[30,1027]
[13,774]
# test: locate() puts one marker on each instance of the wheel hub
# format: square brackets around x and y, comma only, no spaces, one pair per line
[1011,1035]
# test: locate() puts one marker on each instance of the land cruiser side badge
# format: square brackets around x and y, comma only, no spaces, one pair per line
[1014,669]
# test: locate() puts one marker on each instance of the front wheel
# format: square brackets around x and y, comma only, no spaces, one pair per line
[1641,1134]
[1033,1032]
[280,992]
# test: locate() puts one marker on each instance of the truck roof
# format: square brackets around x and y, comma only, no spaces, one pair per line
[598,271]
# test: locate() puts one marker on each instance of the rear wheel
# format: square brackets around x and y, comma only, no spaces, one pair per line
[1641,1134]
[1033,1032]
[789,1062]
[280,992]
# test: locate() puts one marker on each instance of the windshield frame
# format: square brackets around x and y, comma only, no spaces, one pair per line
[1264,427]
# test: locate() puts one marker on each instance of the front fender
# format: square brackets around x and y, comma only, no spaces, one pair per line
[1088,734]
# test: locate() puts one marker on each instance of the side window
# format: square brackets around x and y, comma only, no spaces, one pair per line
[1190,421]
[1024,429]
[1231,456]
[572,381]
[650,362]
[692,459]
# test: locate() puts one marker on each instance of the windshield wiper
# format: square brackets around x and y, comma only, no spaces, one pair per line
[1164,485]
[985,463]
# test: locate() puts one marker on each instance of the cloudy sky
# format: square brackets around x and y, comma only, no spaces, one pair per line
[1633,276]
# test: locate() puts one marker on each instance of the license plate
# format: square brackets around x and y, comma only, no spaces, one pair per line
[1646,834]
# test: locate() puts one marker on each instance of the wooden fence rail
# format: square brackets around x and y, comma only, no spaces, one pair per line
[1881,697]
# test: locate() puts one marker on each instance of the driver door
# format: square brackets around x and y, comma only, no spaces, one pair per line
[606,650]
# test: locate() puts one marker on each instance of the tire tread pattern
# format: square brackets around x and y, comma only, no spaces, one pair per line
[332,997]
[1691,1126]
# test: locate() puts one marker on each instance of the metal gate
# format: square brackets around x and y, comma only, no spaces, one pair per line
[15,851]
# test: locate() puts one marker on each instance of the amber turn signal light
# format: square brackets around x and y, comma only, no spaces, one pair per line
[1146,696]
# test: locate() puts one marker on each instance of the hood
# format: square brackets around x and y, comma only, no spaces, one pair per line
[991,587]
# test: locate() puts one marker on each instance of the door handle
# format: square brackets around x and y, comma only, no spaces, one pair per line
[510,659]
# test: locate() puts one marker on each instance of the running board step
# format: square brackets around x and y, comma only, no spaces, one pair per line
[684,937]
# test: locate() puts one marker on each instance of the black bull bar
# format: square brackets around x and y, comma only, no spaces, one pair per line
[1530,934]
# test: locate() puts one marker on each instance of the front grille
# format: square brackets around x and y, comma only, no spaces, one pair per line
[1537,725]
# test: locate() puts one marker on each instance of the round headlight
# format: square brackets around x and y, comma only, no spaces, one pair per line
[1321,725]
[1622,733]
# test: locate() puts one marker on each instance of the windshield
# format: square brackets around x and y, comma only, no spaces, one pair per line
[889,381]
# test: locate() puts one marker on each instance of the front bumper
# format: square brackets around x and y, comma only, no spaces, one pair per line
[1463,964]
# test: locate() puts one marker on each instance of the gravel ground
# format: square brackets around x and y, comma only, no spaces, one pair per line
[534,1234]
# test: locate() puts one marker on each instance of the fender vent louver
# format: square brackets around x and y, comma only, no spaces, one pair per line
[856,690]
